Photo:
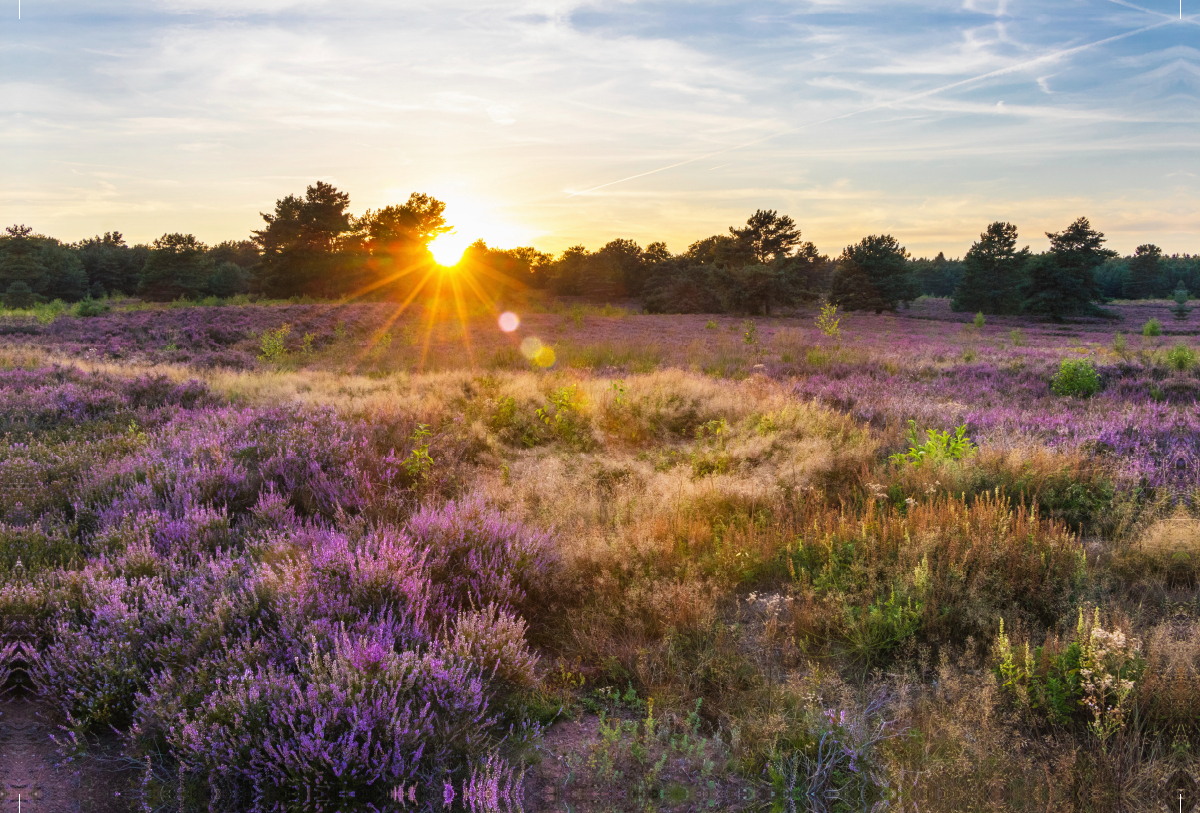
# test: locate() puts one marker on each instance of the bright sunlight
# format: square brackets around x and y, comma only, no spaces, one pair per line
[448,249]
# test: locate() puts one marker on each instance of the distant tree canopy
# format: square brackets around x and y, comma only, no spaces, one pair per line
[752,269]
[873,275]
[35,268]
[311,245]
[993,273]
[1145,272]
[937,277]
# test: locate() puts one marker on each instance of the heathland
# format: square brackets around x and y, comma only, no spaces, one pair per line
[346,557]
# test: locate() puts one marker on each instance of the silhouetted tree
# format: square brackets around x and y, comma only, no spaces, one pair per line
[567,273]
[873,275]
[303,247]
[993,272]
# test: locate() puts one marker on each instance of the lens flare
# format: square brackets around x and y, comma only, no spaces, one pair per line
[540,354]
[509,321]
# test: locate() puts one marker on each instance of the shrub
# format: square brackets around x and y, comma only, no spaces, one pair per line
[1153,327]
[476,556]
[828,321]
[937,446]
[494,639]
[1181,358]
[91,307]
[1076,378]
[1017,337]
[979,321]
[353,723]
[272,344]
[953,565]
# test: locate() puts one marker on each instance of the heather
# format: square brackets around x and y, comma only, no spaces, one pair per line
[692,562]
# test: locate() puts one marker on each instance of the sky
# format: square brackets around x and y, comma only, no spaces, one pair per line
[553,122]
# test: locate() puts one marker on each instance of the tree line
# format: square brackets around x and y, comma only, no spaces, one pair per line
[311,245]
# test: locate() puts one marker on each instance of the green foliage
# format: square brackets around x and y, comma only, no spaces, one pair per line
[873,274]
[418,464]
[1062,282]
[1120,344]
[1180,309]
[1076,378]
[875,632]
[1145,269]
[937,446]
[1181,358]
[90,307]
[828,321]
[993,272]
[563,415]
[272,343]
[1153,327]
[710,325]
[1017,337]
[978,321]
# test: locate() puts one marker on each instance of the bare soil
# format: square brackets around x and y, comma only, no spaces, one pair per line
[32,779]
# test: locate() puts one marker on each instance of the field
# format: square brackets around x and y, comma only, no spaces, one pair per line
[322,557]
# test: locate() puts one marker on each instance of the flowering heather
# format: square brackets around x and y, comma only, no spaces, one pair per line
[213,586]
[286,587]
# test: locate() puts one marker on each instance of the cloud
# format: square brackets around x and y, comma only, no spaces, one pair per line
[188,115]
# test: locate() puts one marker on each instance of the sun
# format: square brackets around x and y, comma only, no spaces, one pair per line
[447,249]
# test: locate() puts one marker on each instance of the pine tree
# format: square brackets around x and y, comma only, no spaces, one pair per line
[873,274]
[1145,269]
[1062,282]
[993,271]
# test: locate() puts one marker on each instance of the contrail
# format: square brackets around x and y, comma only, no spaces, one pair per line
[923,94]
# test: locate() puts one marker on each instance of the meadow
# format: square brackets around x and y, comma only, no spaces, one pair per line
[307,556]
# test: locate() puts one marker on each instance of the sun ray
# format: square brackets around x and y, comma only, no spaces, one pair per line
[463,319]
[375,338]
[379,283]
[437,301]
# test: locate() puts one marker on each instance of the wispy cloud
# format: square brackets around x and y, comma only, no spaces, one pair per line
[181,114]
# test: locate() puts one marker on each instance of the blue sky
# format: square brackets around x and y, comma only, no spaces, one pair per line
[555,122]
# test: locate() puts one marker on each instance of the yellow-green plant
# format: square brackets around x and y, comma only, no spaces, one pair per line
[829,321]
[272,343]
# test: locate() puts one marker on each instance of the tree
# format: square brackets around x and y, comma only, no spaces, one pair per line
[1145,270]
[415,223]
[993,272]
[719,251]
[936,277]
[767,235]
[303,247]
[49,269]
[178,266]
[111,266]
[1063,281]
[873,275]
[568,271]
[616,271]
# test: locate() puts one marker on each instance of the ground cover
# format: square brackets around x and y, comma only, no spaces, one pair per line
[691,562]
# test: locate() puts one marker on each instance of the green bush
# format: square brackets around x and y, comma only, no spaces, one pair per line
[91,307]
[937,446]
[979,321]
[1152,328]
[1181,358]
[1076,378]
